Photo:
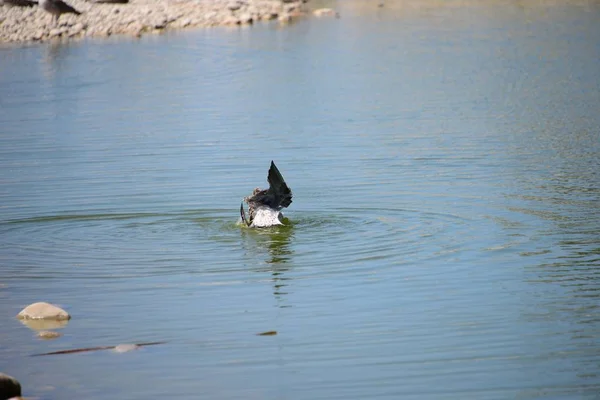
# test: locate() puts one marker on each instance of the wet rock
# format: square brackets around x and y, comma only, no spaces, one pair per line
[9,387]
[48,335]
[43,310]
[124,348]
[44,324]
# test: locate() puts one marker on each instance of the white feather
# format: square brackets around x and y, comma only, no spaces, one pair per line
[265,217]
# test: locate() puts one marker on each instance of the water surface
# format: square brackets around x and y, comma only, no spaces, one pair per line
[443,242]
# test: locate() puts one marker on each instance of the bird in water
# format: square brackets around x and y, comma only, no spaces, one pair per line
[56,8]
[264,206]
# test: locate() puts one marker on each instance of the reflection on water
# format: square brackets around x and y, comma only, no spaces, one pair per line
[446,223]
[273,247]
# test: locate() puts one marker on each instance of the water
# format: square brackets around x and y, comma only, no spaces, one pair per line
[444,239]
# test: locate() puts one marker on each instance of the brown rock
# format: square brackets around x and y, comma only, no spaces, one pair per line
[43,311]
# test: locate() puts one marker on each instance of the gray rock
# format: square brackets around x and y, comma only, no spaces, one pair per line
[9,387]
[44,310]
[124,348]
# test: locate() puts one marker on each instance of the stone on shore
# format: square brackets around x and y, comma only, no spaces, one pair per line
[43,310]
[9,387]
[101,18]
[324,12]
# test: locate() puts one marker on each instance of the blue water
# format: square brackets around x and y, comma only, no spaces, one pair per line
[443,242]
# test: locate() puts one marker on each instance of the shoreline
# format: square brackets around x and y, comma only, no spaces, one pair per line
[26,25]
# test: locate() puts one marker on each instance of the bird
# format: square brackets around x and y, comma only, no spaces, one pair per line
[264,206]
[57,8]
[20,3]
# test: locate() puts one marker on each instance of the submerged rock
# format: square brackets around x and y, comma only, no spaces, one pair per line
[44,324]
[43,310]
[47,335]
[124,348]
[9,387]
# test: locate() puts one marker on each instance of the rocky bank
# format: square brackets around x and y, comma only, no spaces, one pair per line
[137,17]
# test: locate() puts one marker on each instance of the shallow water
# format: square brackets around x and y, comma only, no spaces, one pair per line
[443,242]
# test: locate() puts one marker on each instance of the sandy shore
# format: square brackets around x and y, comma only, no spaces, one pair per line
[32,24]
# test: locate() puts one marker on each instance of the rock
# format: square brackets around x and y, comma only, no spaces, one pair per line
[284,18]
[231,20]
[269,16]
[124,348]
[290,7]
[324,12]
[26,24]
[246,19]
[43,311]
[234,6]
[9,387]
[44,324]
[76,30]
[56,32]
[48,335]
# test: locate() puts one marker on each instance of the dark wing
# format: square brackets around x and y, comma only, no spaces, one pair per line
[243,215]
[111,1]
[279,194]
[64,8]
[21,3]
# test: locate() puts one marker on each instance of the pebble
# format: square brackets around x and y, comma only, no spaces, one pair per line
[44,310]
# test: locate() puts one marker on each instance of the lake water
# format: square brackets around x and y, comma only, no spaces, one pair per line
[443,242]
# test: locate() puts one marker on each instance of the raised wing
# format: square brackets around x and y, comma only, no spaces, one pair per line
[279,194]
